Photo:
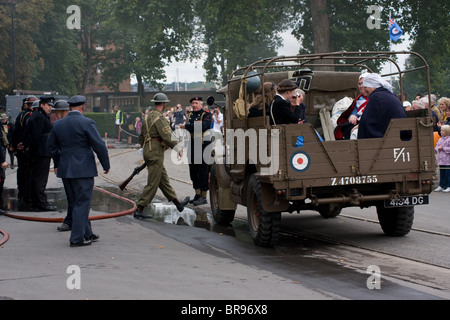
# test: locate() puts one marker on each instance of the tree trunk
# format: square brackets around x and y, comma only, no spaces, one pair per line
[321,29]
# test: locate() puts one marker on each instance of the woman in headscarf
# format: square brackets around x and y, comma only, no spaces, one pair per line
[383,106]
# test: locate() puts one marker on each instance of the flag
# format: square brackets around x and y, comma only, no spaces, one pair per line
[395,32]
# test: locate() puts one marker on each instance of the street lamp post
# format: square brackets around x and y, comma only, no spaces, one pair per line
[13,41]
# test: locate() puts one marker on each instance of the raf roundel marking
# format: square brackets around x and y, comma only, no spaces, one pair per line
[300,161]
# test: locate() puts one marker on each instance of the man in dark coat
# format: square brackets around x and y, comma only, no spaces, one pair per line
[383,106]
[23,160]
[37,130]
[198,124]
[72,143]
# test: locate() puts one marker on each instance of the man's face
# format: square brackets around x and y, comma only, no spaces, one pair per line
[196,105]
[47,108]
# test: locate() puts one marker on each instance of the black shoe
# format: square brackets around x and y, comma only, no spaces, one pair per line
[195,199]
[64,227]
[141,215]
[47,207]
[81,244]
[200,201]
[180,205]
[94,237]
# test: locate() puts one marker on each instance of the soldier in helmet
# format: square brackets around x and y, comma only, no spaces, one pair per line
[156,136]
[35,143]
[61,108]
[23,160]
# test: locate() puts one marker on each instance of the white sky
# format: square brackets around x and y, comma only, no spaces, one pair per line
[193,71]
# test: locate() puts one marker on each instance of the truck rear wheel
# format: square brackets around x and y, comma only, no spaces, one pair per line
[264,226]
[396,222]
[222,217]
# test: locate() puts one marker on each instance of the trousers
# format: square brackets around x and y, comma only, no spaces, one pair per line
[157,177]
[79,195]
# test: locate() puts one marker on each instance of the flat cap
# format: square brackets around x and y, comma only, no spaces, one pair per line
[76,101]
[196,98]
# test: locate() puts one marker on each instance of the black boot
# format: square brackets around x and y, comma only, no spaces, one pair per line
[139,213]
[180,205]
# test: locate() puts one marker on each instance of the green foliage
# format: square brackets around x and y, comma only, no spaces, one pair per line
[106,122]
[238,32]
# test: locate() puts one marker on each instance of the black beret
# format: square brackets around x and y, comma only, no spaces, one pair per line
[196,98]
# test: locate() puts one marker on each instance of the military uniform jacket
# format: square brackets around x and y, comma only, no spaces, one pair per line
[19,128]
[37,130]
[156,129]
[72,143]
[195,118]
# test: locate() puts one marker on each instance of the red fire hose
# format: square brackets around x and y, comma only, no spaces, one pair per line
[93,218]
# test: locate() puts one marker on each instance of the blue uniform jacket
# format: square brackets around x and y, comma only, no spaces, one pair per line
[383,106]
[72,144]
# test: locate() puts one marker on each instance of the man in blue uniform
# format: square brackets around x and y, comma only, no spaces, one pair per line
[72,144]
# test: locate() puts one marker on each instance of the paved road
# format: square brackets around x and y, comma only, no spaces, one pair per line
[166,259]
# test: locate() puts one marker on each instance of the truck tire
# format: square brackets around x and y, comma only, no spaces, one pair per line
[396,222]
[264,226]
[222,217]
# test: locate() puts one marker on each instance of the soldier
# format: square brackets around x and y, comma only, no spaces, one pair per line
[35,143]
[61,109]
[155,137]
[198,123]
[23,160]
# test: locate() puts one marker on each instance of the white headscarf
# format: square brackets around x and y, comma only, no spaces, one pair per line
[374,80]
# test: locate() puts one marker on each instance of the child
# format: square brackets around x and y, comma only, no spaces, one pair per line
[443,152]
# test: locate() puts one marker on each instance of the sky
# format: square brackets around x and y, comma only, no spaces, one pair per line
[193,71]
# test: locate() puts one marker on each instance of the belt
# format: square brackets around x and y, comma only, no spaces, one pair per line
[157,139]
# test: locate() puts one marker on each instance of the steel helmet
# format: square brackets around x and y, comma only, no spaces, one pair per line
[254,82]
[35,104]
[160,97]
[61,105]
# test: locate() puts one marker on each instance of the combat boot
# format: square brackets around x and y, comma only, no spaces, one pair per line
[139,213]
[201,199]
[180,205]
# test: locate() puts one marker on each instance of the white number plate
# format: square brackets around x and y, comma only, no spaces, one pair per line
[407,201]
[345,181]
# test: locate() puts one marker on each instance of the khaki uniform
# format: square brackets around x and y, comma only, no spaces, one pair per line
[155,137]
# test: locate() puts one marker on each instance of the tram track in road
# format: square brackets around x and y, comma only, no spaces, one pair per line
[336,241]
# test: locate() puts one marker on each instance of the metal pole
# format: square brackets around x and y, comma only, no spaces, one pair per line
[13,40]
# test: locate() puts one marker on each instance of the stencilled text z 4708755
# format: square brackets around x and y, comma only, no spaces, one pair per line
[345,181]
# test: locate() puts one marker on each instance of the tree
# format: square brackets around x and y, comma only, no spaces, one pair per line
[59,49]
[238,32]
[429,28]
[28,16]
[144,37]
[347,28]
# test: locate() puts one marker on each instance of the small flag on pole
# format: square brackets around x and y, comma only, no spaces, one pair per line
[395,32]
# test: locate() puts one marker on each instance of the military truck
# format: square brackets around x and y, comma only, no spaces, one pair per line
[302,167]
